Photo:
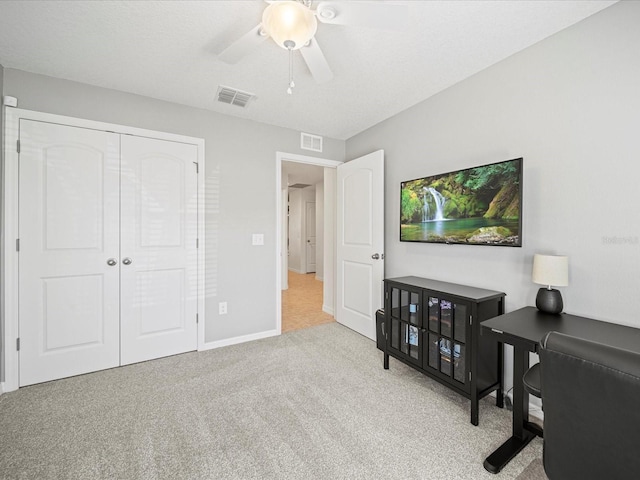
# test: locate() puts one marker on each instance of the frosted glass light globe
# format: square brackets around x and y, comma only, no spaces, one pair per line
[289,21]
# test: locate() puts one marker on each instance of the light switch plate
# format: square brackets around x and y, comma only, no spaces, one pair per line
[258,239]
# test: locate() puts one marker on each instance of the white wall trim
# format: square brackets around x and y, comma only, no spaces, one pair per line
[535,409]
[284,235]
[8,253]
[288,157]
[328,310]
[236,340]
[293,157]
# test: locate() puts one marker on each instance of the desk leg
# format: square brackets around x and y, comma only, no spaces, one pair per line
[521,437]
[500,390]
[520,396]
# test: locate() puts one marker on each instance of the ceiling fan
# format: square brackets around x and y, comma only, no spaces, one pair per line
[292,24]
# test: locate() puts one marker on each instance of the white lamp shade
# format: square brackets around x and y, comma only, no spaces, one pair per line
[289,20]
[551,270]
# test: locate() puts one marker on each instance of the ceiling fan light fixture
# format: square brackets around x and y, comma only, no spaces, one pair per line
[289,21]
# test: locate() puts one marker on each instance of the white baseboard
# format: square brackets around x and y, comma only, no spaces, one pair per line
[237,340]
[319,278]
[328,310]
[535,411]
[295,270]
[534,408]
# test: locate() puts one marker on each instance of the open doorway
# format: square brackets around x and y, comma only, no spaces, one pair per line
[306,222]
[302,300]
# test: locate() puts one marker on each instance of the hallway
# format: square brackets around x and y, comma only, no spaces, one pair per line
[302,303]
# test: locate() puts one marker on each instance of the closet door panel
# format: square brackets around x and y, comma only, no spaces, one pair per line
[158,237]
[69,228]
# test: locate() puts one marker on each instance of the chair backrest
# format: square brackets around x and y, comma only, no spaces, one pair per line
[591,401]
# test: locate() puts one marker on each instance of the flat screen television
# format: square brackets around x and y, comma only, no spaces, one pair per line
[475,206]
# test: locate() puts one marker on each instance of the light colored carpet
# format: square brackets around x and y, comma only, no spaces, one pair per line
[311,404]
[535,471]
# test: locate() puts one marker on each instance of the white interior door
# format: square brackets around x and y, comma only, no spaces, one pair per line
[158,248]
[310,227]
[360,242]
[68,210]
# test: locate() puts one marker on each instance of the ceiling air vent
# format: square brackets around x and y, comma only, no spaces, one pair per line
[233,96]
[310,142]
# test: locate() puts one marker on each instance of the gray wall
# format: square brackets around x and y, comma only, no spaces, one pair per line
[240,187]
[295,230]
[319,231]
[570,105]
[1,220]
[329,242]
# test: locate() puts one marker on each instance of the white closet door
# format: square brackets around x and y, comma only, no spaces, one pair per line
[158,255]
[68,293]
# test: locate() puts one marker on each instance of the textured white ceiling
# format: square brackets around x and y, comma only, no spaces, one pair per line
[168,50]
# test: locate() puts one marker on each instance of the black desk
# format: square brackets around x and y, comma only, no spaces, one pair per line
[524,329]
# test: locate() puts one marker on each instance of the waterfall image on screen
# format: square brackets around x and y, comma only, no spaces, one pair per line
[475,206]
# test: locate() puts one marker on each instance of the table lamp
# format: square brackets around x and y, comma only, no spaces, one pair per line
[550,270]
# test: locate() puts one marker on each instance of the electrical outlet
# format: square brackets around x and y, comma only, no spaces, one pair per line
[222,308]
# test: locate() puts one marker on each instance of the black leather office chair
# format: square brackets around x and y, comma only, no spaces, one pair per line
[591,397]
[531,380]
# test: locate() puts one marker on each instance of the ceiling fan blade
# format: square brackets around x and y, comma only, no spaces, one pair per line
[380,15]
[316,62]
[241,47]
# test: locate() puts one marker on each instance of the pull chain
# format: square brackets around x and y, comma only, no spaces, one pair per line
[290,44]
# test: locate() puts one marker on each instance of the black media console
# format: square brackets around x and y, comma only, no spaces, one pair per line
[434,327]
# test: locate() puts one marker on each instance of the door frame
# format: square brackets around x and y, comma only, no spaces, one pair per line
[9,255]
[289,157]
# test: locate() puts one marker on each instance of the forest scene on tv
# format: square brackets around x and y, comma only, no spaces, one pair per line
[476,206]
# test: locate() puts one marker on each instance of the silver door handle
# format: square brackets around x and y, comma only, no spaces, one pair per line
[127,261]
[375,256]
[111,262]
